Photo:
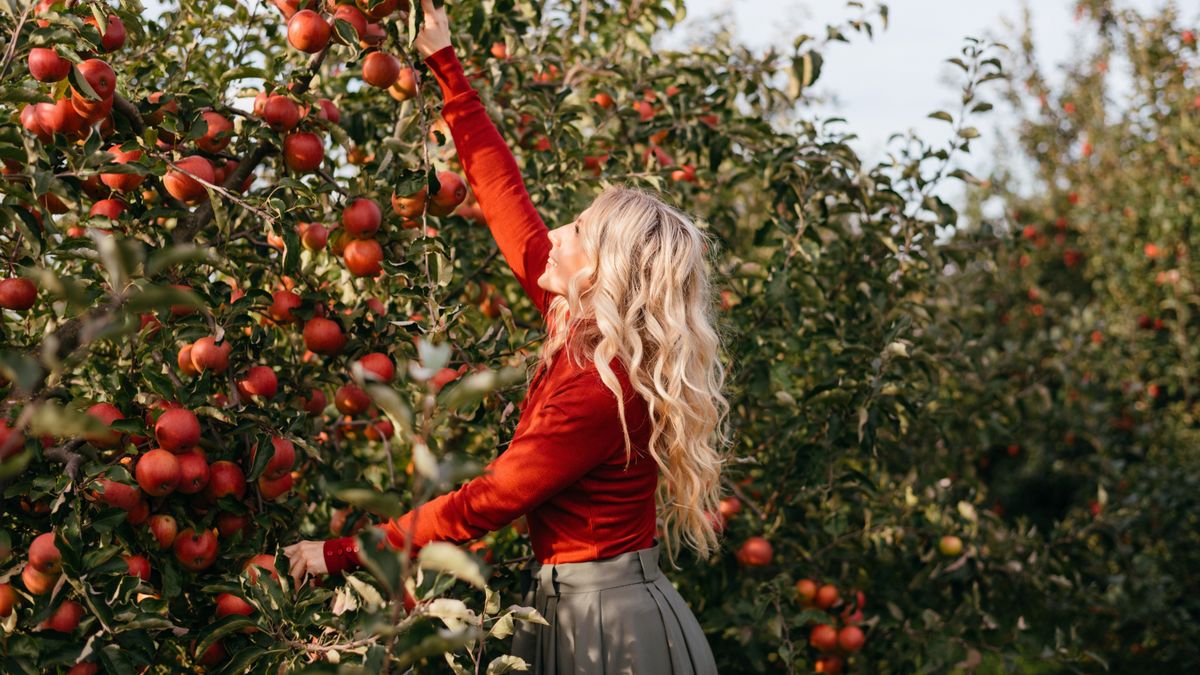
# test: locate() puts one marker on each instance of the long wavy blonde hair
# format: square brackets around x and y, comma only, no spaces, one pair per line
[650,302]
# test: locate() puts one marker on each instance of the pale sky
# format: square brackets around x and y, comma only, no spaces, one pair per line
[892,82]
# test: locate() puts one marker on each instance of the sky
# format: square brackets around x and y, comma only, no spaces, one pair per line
[892,82]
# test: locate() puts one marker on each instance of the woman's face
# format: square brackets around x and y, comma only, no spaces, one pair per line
[566,256]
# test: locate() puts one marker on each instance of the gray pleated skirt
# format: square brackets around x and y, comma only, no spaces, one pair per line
[618,615]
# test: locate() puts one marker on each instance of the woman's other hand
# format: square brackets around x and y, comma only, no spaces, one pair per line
[304,558]
[435,30]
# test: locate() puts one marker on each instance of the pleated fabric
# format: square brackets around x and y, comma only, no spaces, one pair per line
[618,616]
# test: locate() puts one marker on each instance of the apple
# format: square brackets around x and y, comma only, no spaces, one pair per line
[281,113]
[307,31]
[351,400]
[193,472]
[827,596]
[361,217]
[823,637]
[184,359]
[405,86]
[208,355]
[806,590]
[112,36]
[8,599]
[379,365]
[282,461]
[45,65]
[17,294]
[66,618]
[117,495]
[37,583]
[323,336]
[158,473]
[755,552]
[851,638]
[354,17]
[108,208]
[327,111]
[259,381]
[216,653]
[261,561]
[228,604]
[32,118]
[445,376]
[229,524]
[196,551]
[138,565]
[410,206]
[12,440]
[44,555]
[603,100]
[164,529]
[313,236]
[274,488]
[830,664]
[303,151]
[730,507]
[314,404]
[100,76]
[282,304]
[177,430]
[225,478]
[107,413]
[84,668]
[363,257]
[950,545]
[184,187]
[383,9]
[218,135]
[380,69]
[451,192]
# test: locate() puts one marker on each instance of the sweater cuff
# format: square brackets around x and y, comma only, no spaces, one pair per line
[341,554]
[449,72]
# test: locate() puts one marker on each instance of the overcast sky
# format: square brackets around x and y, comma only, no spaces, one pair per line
[892,82]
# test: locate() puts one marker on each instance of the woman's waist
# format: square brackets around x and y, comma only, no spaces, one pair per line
[623,569]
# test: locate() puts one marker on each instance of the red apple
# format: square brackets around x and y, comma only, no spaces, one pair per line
[259,381]
[184,187]
[313,236]
[379,365]
[282,461]
[323,336]
[112,36]
[272,489]
[228,604]
[451,192]
[364,258]
[307,31]
[44,555]
[66,618]
[208,355]
[177,430]
[17,294]
[107,413]
[303,151]
[45,65]
[380,69]
[218,135]
[196,551]
[101,78]
[193,472]
[351,400]
[281,113]
[139,566]
[361,217]
[163,528]
[229,524]
[755,552]
[158,473]
[8,599]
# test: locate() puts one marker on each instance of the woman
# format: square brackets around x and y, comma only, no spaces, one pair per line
[635,392]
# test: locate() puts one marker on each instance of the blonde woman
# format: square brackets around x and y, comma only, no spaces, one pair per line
[624,411]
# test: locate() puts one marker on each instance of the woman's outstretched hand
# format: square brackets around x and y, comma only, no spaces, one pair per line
[304,558]
[435,30]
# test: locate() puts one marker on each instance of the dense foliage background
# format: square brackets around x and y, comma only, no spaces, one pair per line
[970,454]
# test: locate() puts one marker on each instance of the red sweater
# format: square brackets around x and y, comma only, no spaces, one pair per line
[565,466]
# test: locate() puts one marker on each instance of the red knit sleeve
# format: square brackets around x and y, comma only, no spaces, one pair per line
[576,430]
[494,177]
[341,554]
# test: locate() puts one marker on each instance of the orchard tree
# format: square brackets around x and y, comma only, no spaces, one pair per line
[248,300]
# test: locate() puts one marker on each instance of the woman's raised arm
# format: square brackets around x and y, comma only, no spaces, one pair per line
[487,161]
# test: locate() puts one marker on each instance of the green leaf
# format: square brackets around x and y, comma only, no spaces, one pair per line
[379,503]
[450,559]
[220,629]
[942,115]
